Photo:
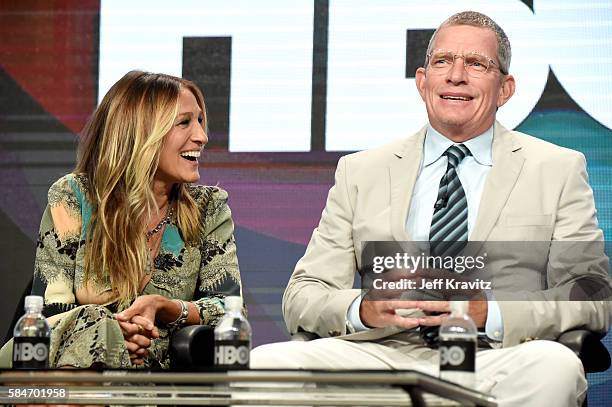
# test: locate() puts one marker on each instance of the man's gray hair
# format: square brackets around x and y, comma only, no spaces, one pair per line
[476,19]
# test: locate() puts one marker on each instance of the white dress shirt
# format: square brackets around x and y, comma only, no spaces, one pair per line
[472,172]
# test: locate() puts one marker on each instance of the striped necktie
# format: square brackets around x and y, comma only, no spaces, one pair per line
[449,232]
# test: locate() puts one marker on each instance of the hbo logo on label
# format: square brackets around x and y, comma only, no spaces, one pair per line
[231,355]
[452,355]
[25,352]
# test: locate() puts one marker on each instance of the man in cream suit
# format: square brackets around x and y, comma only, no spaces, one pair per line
[514,188]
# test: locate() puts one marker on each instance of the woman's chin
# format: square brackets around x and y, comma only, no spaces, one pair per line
[194,178]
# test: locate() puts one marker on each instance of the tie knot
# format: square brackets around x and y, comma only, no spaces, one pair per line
[456,153]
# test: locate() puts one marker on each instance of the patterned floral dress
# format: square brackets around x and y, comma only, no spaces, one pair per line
[84,331]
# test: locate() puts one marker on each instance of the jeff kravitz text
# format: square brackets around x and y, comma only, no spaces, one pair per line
[434,284]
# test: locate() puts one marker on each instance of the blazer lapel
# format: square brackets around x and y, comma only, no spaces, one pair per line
[507,164]
[403,172]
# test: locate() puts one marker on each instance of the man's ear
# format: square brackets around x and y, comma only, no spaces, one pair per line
[420,78]
[507,90]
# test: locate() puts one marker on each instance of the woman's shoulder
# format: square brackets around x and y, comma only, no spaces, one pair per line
[68,188]
[205,195]
[212,203]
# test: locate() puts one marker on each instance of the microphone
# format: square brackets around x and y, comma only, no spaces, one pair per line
[192,348]
[441,202]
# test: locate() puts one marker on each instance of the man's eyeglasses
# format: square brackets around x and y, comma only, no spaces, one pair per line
[441,61]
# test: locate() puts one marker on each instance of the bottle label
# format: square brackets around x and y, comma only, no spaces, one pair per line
[30,352]
[457,355]
[232,354]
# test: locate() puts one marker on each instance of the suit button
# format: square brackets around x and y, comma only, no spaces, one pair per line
[334,333]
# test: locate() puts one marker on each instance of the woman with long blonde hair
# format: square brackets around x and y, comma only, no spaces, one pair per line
[129,250]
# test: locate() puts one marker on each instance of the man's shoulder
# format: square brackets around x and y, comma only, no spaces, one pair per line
[384,152]
[536,148]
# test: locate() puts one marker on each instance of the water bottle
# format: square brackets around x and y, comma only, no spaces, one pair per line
[233,337]
[31,337]
[457,345]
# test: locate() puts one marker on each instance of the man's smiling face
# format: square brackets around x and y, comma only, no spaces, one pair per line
[460,105]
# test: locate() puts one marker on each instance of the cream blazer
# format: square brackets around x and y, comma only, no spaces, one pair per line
[535,191]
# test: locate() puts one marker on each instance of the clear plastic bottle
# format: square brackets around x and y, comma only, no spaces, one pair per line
[457,345]
[31,337]
[233,337]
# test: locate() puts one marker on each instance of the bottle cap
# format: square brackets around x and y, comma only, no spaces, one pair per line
[459,307]
[233,303]
[33,302]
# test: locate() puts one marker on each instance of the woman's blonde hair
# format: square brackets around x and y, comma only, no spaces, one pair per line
[119,154]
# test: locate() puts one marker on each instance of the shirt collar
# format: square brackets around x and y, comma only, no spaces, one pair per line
[480,146]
